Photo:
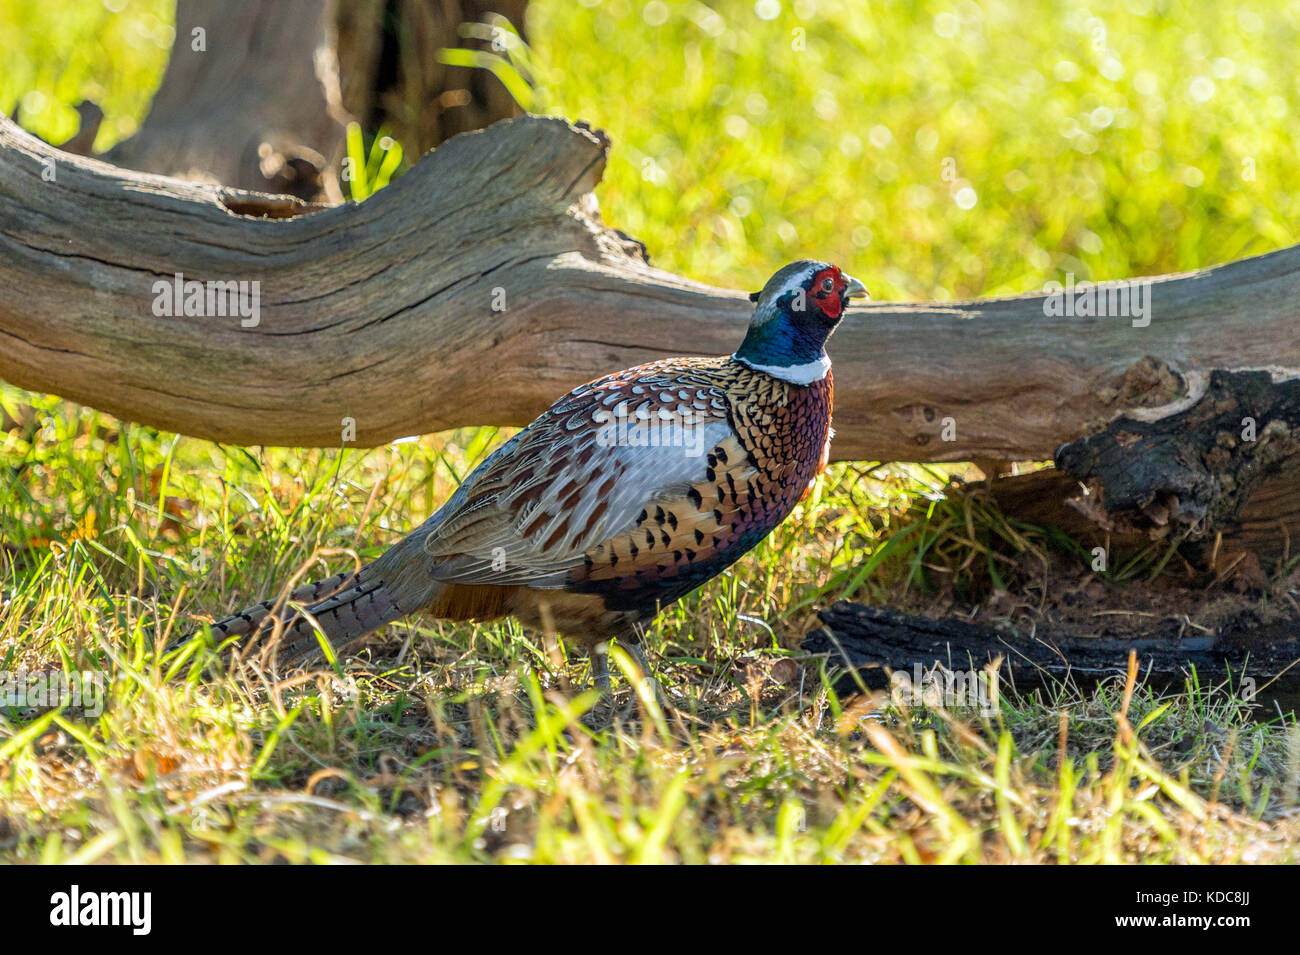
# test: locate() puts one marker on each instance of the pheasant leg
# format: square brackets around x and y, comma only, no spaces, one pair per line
[636,653]
[600,672]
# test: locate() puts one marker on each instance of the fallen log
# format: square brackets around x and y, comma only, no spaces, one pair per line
[1268,522]
[872,642]
[489,254]
[1192,472]
[1219,476]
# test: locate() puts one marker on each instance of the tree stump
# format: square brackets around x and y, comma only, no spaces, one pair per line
[250,99]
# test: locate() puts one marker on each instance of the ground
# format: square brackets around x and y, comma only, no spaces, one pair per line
[936,152]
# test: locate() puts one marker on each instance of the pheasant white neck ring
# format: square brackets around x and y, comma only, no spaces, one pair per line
[801,374]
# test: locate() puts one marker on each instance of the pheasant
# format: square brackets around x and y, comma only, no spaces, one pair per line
[627,494]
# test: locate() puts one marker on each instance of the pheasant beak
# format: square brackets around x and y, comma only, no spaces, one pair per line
[854,289]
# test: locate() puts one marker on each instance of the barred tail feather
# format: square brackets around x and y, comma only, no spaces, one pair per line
[348,615]
[345,607]
[249,619]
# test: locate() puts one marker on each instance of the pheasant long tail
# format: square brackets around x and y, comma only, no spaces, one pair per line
[343,607]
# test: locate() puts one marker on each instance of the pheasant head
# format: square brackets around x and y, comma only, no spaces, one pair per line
[794,314]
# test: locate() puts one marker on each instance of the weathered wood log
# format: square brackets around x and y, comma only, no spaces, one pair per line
[876,640]
[1268,523]
[250,99]
[1224,472]
[1190,473]
[482,284]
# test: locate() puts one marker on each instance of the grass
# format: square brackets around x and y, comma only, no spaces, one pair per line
[938,149]
[734,150]
[473,743]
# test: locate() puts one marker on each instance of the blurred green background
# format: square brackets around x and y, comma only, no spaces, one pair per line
[939,150]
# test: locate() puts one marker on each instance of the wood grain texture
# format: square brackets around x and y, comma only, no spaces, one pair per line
[1268,523]
[383,312]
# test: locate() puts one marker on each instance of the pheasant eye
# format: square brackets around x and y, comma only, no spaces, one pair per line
[827,285]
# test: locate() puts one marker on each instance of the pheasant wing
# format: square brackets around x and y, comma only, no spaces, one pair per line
[600,464]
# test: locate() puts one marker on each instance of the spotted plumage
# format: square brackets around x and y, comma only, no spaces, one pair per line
[628,493]
[767,441]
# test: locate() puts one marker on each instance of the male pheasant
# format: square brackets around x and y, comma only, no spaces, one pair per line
[627,494]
